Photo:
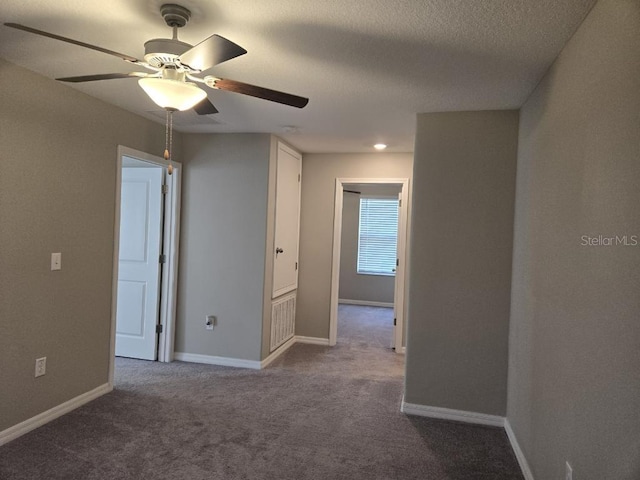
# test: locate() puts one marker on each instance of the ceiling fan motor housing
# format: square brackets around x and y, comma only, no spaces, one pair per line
[160,52]
[164,51]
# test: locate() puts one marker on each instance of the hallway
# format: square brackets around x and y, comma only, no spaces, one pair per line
[316,413]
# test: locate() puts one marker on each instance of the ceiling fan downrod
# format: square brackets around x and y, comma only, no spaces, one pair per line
[175,16]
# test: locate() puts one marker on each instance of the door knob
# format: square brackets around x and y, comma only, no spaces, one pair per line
[279,250]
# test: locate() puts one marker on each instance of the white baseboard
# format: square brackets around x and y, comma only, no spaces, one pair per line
[277,352]
[476,418]
[242,363]
[213,360]
[365,303]
[20,429]
[449,414]
[312,340]
[522,460]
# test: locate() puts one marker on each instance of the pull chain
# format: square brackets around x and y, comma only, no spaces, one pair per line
[169,140]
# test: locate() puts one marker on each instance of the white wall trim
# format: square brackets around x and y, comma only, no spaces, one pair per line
[474,418]
[243,363]
[20,429]
[522,460]
[312,340]
[214,360]
[171,246]
[401,350]
[450,414]
[335,262]
[366,303]
[277,352]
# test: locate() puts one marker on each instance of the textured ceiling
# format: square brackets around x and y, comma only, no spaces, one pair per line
[367,66]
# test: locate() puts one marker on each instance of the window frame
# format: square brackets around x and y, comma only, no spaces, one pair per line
[359,254]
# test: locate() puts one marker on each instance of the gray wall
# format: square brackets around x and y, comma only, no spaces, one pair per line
[57,194]
[319,173]
[462,232]
[574,376]
[222,245]
[354,286]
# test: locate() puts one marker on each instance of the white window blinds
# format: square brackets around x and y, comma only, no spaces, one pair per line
[378,236]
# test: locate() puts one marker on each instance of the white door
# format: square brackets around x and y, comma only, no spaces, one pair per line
[287,221]
[139,262]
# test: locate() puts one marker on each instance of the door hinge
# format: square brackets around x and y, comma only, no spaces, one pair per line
[165,189]
[397,262]
[299,177]
[399,203]
[296,265]
[163,258]
[159,328]
[394,322]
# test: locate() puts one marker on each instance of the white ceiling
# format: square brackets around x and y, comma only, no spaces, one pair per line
[368,66]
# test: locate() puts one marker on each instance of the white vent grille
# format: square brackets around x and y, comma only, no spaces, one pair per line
[283,320]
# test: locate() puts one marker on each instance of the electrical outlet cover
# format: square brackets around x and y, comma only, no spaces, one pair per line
[41,366]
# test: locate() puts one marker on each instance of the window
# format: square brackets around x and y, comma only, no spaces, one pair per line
[378,236]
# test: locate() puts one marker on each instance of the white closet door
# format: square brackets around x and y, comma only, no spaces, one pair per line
[287,221]
[139,265]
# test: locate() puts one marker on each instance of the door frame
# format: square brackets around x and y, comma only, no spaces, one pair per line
[401,281]
[170,241]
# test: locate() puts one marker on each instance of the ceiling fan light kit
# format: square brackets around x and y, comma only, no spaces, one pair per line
[172,94]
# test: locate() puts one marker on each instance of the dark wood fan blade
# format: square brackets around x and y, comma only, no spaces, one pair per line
[260,92]
[100,76]
[205,107]
[122,56]
[210,52]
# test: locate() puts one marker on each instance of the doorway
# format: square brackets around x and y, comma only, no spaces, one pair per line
[394,283]
[145,257]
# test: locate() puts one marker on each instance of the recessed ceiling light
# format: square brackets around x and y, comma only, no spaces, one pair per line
[380,146]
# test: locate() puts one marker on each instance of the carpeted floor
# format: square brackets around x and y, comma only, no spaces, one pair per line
[315,413]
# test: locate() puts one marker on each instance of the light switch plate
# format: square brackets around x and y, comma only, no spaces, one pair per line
[56,261]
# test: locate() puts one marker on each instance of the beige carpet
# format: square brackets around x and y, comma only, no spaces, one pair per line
[316,413]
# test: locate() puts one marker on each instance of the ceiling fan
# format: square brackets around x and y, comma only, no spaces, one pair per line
[175,68]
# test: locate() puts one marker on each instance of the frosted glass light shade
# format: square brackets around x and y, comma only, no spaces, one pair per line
[172,94]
